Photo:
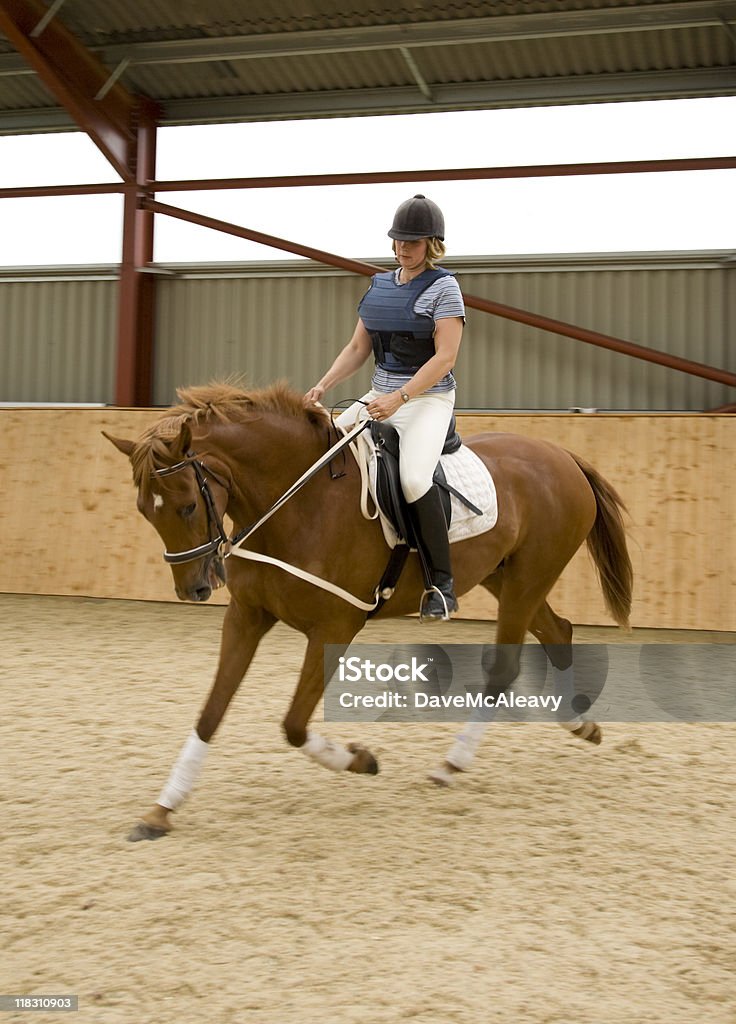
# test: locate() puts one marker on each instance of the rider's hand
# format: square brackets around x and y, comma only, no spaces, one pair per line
[314,395]
[383,406]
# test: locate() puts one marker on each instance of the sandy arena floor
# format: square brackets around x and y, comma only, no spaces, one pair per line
[556,884]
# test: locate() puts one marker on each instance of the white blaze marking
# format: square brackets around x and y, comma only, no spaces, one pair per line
[158,502]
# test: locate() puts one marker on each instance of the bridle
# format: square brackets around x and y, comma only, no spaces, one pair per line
[219,545]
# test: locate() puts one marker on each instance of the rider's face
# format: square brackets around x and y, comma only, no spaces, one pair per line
[411,255]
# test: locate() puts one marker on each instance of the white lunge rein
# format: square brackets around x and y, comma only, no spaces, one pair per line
[302,574]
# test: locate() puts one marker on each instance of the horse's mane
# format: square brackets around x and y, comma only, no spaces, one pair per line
[222,402]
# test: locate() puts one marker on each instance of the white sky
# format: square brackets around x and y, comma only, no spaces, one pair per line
[693,210]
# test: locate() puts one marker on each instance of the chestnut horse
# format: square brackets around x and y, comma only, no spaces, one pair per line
[225,450]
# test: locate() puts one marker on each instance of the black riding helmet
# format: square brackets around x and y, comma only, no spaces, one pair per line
[418,217]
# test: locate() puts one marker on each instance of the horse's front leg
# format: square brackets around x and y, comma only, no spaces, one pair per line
[339,758]
[243,628]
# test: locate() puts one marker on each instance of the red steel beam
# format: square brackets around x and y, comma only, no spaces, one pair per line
[486,305]
[384,177]
[41,191]
[355,266]
[75,77]
[450,174]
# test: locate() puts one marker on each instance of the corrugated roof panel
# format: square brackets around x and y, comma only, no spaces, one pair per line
[183,81]
[333,71]
[24,92]
[171,19]
[515,60]
[104,23]
[594,41]
[574,55]
[273,76]
[107,22]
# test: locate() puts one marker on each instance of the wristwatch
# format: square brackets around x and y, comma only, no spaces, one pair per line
[404,396]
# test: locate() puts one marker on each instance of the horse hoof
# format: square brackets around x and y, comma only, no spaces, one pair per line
[589,731]
[144,831]
[363,763]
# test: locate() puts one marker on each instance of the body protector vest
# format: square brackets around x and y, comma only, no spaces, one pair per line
[402,339]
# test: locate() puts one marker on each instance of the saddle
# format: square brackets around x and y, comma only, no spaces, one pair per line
[389,495]
[392,502]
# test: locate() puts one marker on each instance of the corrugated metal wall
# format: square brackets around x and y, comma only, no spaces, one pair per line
[57,336]
[289,319]
[265,325]
[269,322]
[679,310]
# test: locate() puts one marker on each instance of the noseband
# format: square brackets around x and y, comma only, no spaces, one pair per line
[217,546]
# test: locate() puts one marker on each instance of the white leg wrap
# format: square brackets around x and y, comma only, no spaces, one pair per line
[327,753]
[573,724]
[563,685]
[185,772]
[463,749]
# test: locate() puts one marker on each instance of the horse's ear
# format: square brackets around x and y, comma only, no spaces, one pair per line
[182,444]
[126,447]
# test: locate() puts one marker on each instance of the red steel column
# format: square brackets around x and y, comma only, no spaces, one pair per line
[123,126]
[136,290]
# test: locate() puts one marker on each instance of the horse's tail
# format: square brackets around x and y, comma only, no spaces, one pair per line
[607,545]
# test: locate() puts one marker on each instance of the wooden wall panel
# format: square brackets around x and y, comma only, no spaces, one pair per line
[68,522]
[672,472]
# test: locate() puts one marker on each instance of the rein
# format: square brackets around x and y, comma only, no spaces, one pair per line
[303,479]
[222,546]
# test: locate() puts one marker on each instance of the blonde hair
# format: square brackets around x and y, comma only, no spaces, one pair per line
[435,251]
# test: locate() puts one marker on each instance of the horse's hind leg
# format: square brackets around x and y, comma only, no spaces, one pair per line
[522,606]
[555,635]
[517,602]
[315,670]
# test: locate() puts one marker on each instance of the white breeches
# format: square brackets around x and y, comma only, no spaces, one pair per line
[422,424]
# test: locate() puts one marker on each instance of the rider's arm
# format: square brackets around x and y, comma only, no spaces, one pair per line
[447,336]
[347,363]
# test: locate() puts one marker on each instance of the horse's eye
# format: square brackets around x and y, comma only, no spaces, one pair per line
[187,511]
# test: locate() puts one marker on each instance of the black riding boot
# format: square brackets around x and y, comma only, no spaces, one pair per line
[429,521]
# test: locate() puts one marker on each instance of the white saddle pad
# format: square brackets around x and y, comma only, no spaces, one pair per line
[464,471]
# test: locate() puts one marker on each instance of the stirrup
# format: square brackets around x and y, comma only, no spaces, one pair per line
[445,615]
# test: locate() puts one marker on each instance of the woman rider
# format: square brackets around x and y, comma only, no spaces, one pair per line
[412,320]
